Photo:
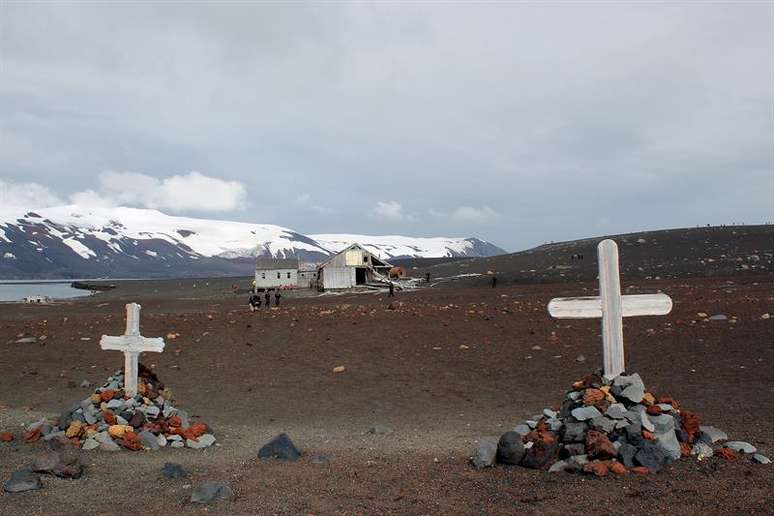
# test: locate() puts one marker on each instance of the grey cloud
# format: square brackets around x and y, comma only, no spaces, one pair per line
[564,120]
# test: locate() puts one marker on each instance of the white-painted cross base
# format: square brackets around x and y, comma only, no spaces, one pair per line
[132,344]
[611,306]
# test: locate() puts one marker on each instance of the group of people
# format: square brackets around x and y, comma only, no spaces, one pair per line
[255,299]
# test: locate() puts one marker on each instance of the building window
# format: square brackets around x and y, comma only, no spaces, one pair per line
[288,275]
[365,259]
[279,275]
[263,275]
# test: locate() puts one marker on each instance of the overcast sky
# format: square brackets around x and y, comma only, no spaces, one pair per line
[516,122]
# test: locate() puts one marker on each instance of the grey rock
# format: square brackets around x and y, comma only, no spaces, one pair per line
[574,432]
[380,430]
[550,414]
[719,317]
[576,462]
[651,456]
[172,470]
[89,418]
[204,441]
[169,410]
[26,340]
[174,437]
[210,492]
[320,460]
[634,433]
[115,404]
[106,442]
[281,447]
[555,424]
[45,462]
[633,387]
[761,459]
[85,384]
[616,411]
[710,434]
[148,440]
[584,413]
[522,429]
[626,453]
[485,453]
[702,451]
[574,395]
[741,446]
[646,422]
[580,358]
[668,442]
[22,480]
[177,444]
[90,444]
[185,420]
[603,424]
[161,440]
[120,420]
[558,466]
[665,407]
[531,423]
[54,435]
[574,449]
[152,412]
[661,423]
[621,423]
[510,449]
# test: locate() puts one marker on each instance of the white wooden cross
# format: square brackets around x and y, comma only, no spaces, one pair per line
[611,306]
[132,344]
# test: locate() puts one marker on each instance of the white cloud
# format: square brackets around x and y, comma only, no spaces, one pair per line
[304,198]
[190,192]
[26,195]
[389,210]
[471,214]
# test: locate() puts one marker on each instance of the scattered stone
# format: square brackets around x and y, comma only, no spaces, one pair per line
[172,470]
[711,435]
[339,369]
[90,444]
[485,454]
[204,441]
[510,448]
[106,443]
[580,358]
[6,437]
[702,451]
[598,468]
[719,317]
[726,454]
[741,447]
[380,430]
[558,466]
[85,384]
[148,440]
[211,491]
[761,459]
[522,429]
[22,480]
[651,456]
[280,447]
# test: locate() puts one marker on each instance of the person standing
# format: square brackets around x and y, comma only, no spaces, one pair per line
[267,297]
[254,301]
[277,296]
[427,277]
[392,289]
[494,281]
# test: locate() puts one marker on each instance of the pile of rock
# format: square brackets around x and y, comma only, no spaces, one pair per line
[110,420]
[610,426]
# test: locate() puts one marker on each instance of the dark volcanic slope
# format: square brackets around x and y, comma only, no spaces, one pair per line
[673,253]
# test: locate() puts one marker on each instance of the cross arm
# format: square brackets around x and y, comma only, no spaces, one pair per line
[134,343]
[591,307]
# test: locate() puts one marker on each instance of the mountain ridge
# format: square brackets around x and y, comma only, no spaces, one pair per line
[73,241]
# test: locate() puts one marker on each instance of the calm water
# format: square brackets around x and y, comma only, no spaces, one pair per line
[17,290]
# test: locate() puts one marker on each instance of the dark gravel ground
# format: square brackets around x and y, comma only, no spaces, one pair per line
[251,376]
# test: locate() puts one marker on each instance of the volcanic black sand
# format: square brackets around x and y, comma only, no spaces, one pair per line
[444,368]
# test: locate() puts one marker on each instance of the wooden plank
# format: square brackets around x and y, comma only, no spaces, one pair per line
[591,307]
[132,343]
[612,309]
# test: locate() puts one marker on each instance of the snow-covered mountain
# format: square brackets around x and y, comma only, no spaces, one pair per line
[73,241]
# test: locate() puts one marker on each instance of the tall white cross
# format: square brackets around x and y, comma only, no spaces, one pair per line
[611,306]
[132,344]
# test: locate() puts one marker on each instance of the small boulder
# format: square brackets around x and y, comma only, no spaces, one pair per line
[204,441]
[702,450]
[598,446]
[22,480]
[210,492]
[280,447]
[651,456]
[710,434]
[761,459]
[741,447]
[584,413]
[172,470]
[510,448]
[485,454]
[148,440]
[380,430]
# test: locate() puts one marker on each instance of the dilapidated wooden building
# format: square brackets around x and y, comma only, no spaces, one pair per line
[354,266]
[271,273]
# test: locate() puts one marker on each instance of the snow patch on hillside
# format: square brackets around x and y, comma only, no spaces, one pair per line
[392,246]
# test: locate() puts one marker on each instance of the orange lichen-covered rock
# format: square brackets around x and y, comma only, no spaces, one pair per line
[597,467]
[74,430]
[618,468]
[726,453]
[685,449]
[32,436]
[592,396]
[640,470]
[175,421]
[598,446]
[6,437]
[119,431]
[96,398]
[648,399]
[654,410]
[109,418]
[107,395]
[691,423]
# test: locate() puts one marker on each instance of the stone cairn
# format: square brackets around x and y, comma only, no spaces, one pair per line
[110,420]
[610,426]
